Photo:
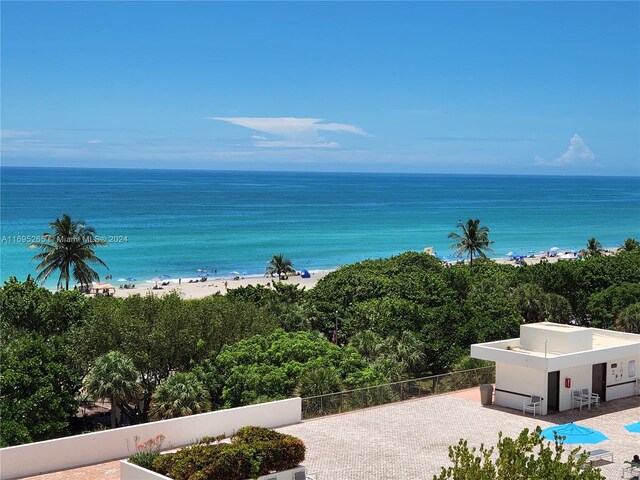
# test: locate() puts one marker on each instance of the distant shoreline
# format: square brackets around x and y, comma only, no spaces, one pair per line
[194,288]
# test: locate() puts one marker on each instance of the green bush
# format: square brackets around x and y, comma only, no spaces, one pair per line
[253,451]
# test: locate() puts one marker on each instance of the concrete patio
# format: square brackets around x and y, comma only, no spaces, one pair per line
[410,439]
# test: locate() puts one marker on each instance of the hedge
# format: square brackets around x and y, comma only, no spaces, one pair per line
[253,451]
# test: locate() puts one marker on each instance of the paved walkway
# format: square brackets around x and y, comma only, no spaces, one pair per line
[411,439]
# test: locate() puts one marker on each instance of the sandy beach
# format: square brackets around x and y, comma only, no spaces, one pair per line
[198,289]
[217,286]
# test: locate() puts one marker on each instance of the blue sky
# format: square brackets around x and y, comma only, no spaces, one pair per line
[516,88]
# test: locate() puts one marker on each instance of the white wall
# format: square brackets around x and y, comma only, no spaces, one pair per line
[580,378]
[620,380]
[90,448]
[522,380]
[129,471]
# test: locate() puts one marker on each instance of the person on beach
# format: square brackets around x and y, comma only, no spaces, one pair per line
[225,285]
[179,281]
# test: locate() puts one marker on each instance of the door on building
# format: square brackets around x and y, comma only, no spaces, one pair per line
[599,380]
[553,391]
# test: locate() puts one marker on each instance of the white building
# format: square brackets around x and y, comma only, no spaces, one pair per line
[550,360]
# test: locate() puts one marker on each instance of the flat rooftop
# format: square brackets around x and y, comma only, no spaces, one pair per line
[410,439]
[562,340]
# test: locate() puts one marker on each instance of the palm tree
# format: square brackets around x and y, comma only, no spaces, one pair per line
[473,240]
[630,244]
[409,351]
[594,248]
[180,395]
[318,381]
[368,344]
[113,376]
[280,266]
[69,248]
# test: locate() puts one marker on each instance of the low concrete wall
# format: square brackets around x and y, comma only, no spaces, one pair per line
[90,448]
[129,471]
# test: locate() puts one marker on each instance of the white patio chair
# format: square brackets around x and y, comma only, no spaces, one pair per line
[530,405]
[594,398]
[578,400]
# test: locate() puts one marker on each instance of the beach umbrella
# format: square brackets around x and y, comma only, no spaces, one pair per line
[509,254]
[165,277]
[234,273]
[128,279]
[633,427]
[573,434]
[305,274]
[554,249]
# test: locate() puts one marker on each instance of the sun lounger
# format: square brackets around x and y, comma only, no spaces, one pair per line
[530,405]
[594,455]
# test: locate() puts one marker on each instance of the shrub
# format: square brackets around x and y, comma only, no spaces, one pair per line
[253,451]
[147,452]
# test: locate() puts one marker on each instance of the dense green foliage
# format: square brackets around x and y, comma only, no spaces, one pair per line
[264,368]
[38,390]
[403,317]
[253,451]
[527,457]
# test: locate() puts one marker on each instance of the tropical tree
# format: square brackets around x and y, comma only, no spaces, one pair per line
[629,319]
[472,241]
[630,244]
[527,456]
[69,249]
[180,395]
[39,390]
[113,376]
[319,381]
[593,249]
[278,265]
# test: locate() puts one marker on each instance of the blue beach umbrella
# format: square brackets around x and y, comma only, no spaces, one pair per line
[573,434]
[128,279]
[633,427]
[164,277]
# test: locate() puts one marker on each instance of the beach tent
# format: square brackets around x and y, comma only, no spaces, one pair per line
[305,274]
[102,289]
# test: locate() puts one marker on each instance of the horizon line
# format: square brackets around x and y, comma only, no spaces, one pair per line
[60,167]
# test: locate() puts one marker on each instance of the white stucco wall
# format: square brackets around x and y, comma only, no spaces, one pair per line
[621,380]
[129,471]
[90,448]
[580,378]
[519,380]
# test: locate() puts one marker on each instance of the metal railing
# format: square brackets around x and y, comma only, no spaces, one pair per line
[348,400]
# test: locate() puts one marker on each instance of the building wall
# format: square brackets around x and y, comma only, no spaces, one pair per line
[91,448]
[514,384]
[580,378]
[129,471]
[621,378]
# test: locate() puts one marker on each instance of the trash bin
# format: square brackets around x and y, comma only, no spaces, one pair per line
[486,394]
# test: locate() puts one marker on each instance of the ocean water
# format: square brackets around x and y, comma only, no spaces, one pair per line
[176,222]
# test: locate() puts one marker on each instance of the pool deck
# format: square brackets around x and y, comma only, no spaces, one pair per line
[410,439]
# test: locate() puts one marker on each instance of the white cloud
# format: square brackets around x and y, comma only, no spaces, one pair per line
[13,133]
[94,142]
[292,132]
[577,152]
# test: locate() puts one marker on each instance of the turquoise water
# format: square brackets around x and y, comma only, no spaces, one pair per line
[176,222]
